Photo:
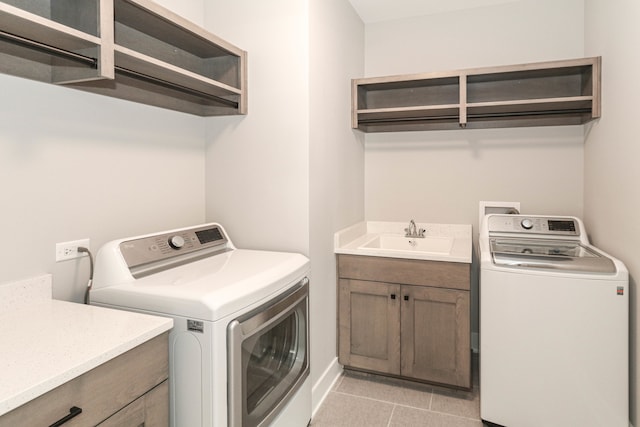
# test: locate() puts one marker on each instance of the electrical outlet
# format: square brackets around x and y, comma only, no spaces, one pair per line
[69,250]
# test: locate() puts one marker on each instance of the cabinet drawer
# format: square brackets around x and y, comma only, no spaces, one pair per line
[150,410]
[452,275]
[99,392]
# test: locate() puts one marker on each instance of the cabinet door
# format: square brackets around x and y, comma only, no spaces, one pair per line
[369,325]
[436,335]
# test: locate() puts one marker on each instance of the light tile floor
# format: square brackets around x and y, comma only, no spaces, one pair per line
[360,399]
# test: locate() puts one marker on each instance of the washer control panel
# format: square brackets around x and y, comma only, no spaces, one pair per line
[560,226]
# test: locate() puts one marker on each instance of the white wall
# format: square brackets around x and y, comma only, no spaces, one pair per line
[77,165]
[612,152]
[336,167]
[290,173]
[258,165]
[440,176]
[192,10]
[503,34]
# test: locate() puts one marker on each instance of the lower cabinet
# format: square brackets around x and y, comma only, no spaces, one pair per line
[405,318]
[435,335]
[369,325]
[148,410]
[130,390]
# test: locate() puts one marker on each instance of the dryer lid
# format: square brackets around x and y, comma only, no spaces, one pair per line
[210,288]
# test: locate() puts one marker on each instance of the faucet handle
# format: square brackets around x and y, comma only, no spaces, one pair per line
[421,232]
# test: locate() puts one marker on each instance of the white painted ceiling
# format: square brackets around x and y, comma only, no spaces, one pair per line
[386,10]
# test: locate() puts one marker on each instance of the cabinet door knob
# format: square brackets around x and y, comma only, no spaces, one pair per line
[406,297]
[393,296]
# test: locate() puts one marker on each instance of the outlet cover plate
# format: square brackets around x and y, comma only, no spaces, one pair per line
[69,250]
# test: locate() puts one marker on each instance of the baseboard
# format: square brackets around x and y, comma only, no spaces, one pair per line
[323,386]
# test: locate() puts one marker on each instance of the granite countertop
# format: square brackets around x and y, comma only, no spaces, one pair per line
[46,342]
[353,240]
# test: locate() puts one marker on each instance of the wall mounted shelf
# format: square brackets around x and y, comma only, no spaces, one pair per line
[129,49]
[538,94]
[55,42]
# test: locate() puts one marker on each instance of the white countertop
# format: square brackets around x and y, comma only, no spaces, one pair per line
[352,239]
[45,343]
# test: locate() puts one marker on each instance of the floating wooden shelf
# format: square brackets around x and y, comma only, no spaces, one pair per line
[129,49]
[54,42]
[539,94]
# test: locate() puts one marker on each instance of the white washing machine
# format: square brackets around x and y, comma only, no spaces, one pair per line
[239,349]
[553,326]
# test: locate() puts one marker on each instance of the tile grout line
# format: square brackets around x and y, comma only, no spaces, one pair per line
[365,397]
[431,399]
[466,395]
[439,412]
[391,416]
[389,402]
[395,405]
[339,382]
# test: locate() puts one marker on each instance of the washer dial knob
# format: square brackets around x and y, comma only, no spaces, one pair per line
[176,242]
[527,224]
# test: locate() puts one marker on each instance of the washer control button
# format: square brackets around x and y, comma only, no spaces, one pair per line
[176,242]
[527,224]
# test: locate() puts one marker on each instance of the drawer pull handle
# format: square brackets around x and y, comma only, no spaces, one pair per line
[393,296]
[73,411]
[406,297]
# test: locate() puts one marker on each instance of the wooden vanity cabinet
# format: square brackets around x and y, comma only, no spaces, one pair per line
[405,318]
[129,390]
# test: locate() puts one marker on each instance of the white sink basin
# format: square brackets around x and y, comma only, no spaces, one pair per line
[385,239]
[394,242]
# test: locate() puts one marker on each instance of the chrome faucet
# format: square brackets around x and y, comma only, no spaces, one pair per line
[412,231]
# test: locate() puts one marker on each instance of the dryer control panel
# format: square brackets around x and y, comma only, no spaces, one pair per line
[558,226]
[166,249]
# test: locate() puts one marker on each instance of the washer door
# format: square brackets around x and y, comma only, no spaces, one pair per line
[268,356]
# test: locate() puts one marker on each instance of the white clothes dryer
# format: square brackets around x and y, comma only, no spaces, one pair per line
[239,349]
[553,326]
